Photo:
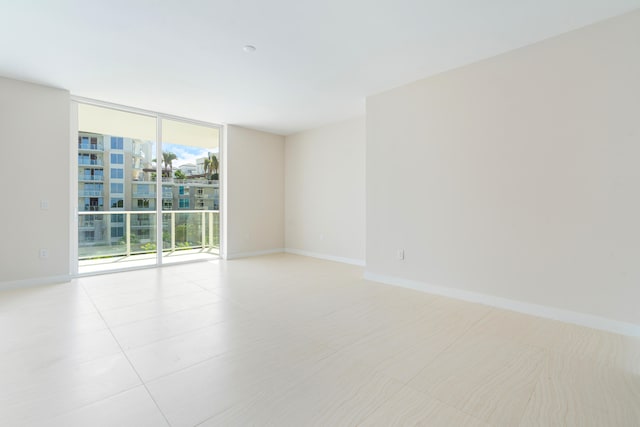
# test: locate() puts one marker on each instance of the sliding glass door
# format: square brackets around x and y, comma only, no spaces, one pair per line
[190,191]
[148,189]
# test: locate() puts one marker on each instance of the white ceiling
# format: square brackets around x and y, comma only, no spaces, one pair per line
[315,63]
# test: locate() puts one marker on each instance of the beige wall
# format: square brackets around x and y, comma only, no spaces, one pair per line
[253,171]
[34,138]
[324,191]
[517,176]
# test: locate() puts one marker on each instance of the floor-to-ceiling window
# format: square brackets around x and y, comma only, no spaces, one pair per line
[190,190]
[148,188]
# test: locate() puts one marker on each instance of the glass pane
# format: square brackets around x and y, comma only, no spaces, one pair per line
[116,189]
[190,191]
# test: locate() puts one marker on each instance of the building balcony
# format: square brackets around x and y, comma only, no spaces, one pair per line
[90,193]
[142,224]
[189,181]
[182,231]
[90,177]
[90,162]
[90,147]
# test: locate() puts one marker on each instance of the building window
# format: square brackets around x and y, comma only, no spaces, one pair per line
[117,159]
[117,232]
[144,189]
[117,173]
[167,192]
[117,143]
[126,171]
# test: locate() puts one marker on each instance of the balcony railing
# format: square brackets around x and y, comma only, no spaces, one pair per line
[181,230]
[90,162]
[89,225]
[92,147]
[141,224]
[198,181]
[90,193]
[91,177]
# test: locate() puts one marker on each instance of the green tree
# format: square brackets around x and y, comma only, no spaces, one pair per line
[167,160]
[179,174]
[211,165]
[206,166]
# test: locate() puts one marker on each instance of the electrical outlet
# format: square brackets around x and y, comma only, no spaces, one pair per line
[44,205]
[400,254]
[44,253]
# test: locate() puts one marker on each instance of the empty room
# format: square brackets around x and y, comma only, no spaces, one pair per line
[339,213]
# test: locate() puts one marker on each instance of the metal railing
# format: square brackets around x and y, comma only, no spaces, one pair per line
[197,181]
[89,146]
[90,177]
[181,230]
[89,162]
[90,193]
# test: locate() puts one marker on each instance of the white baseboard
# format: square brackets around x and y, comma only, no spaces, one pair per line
[353,261]
[582,319]
[39,281]
[239,255]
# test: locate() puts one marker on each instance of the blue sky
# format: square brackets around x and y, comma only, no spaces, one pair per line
[185,153]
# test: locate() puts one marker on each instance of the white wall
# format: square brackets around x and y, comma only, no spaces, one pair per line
[517,176]
[253,169]
[35,144]
[325,191]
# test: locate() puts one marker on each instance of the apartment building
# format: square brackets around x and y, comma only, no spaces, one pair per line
[117,174]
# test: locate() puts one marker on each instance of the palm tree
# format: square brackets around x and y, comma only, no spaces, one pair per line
[207,165]
[211,165]
[167,159]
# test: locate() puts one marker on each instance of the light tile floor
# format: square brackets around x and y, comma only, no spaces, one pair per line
[286,340]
